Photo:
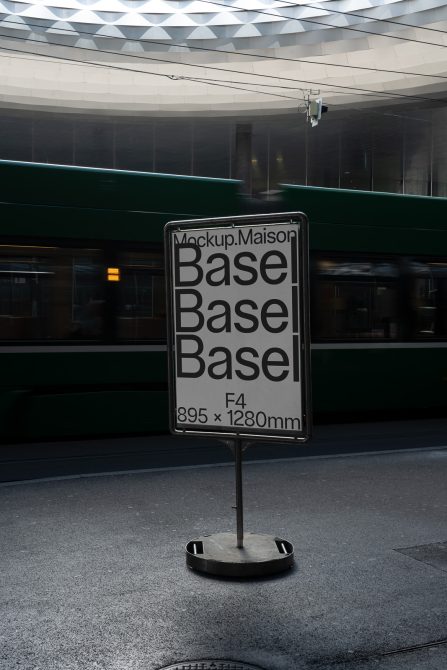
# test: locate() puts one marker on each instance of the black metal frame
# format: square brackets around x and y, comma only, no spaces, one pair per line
[303,254]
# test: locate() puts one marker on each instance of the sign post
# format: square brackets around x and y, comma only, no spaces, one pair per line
[239,499]
[239,355]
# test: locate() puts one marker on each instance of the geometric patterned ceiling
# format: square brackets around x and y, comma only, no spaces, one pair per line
[156,57]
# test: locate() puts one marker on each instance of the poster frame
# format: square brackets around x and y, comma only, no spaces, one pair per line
[296,217]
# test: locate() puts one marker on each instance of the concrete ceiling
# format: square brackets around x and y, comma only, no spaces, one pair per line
[170,57]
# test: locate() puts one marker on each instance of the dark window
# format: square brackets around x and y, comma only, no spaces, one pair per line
[48,293]
[428,299]
[141,303]
[355,299]
[88,296]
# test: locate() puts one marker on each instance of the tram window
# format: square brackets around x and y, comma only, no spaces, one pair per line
[355,299]
[88,303]
[428,299]
[141,304]
[48,293]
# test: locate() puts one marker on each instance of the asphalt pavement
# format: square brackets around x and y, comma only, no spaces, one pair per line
[93,573]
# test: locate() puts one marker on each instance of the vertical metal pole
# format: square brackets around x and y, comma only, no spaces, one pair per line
[306,150]
[431,155]
[192,149]
[154,146]
[404,155]
[239,501]
[33,142]
[230,151]
[73,137]
[114,145]
[268,165]
[243,155]
[339,156]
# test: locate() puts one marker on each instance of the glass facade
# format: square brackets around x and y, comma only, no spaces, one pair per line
[399,149]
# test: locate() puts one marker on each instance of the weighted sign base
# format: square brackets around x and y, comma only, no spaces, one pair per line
[219,554]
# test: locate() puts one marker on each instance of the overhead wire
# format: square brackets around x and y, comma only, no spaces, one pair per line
[210,50]
[76,61]
[352,89]
[199,80]
[291,88]
[263,12]
[239,85]
[209,82]
[238,88]
[363,16]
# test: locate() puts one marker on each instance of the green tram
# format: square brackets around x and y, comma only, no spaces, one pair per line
[82,304]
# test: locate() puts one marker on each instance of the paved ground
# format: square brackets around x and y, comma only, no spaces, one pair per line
[42,459]
[93,574]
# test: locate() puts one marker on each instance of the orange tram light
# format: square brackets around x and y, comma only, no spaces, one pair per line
[113,274]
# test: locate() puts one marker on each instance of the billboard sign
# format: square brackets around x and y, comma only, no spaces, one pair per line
[238,328]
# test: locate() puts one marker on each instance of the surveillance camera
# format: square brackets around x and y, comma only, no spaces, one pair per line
[315,110]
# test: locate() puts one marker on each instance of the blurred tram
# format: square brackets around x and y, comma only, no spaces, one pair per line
[82,304]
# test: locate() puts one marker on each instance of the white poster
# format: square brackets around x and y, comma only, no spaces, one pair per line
[236,331]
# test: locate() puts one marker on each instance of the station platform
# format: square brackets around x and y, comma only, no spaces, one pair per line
[94,577]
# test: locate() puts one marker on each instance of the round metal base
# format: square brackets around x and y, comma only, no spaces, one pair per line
[218,554]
